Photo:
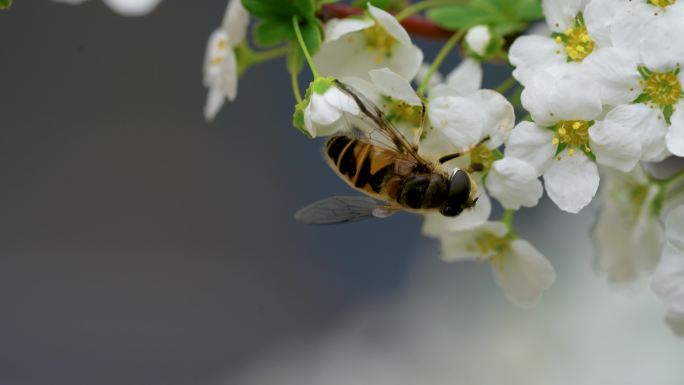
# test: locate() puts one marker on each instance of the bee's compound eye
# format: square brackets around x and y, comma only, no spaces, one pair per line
[458,194]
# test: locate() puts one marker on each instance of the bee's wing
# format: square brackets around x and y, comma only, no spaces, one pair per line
[340,209]
[373,126]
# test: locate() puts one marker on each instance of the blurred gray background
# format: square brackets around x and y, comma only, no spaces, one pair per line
[140,245]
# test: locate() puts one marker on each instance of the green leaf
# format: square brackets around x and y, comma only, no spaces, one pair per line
[306,8]
[4,4]
[280,9]
[529,10]
[455,17]
[667,113]
[273,31]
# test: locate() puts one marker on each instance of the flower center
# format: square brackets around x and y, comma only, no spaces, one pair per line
[378,40]
[400,111]
[572,134]
[662,3]
[663,88]
[490,244]
[481,158]
[577,42]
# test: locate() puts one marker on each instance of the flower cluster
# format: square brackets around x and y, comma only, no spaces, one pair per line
[601,86]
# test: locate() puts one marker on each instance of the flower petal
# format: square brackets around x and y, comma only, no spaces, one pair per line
[336,28]
[531,143]
[132,7]
[235,22]
[560,14]
[523,274]
[646,124]
[571,182]
[390,24]
[614,145]
[557,94]
[514,183]
[498,113]
[529,54]
[215,100]
[615,71]
[466,78]
[668,279]
[458,118]
[675,136]
[392,85]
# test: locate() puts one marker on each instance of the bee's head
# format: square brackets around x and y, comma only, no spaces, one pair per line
[460,194]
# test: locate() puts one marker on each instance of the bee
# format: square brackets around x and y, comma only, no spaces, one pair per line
[377,160]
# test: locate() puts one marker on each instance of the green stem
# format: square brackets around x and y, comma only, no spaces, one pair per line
[274,53]
[665,184]
[507,219]
[422,5]
[295,87]
[302,44]
[675,179]
[448,46]
[506,85]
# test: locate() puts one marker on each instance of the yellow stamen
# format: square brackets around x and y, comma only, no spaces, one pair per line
[377,39]
[663,88]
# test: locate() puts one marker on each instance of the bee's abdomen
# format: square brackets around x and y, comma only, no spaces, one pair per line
[363,165]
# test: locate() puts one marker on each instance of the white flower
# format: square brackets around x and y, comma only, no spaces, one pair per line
[668,280]
[124,7]
[352,47]
[519,269]
[564,107]
[628,234]
[220,64]
[571,22]
[658,117]
[324,114]
[436,79]
[478,38]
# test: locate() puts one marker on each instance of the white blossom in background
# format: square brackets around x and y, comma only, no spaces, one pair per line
[478,38]
[668,279]
[628,235]
[353,47]
[324,115]
[123,7]
[565,108]
[657,118]
[522,272]
[220,64]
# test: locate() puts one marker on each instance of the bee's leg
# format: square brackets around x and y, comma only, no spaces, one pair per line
[419,132]
[449,157]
